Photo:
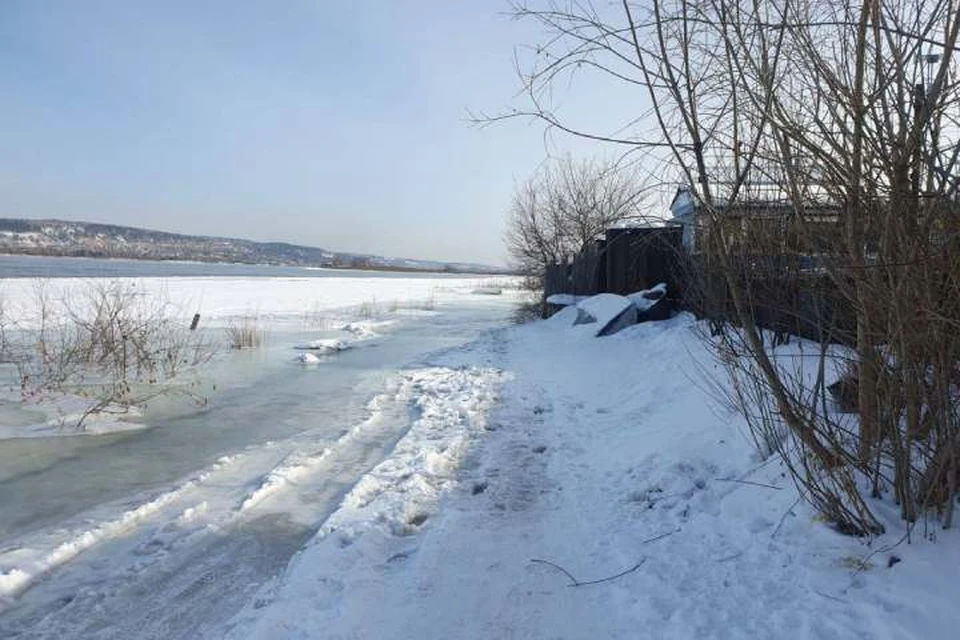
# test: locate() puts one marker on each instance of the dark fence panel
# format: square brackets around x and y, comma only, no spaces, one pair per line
[625,261]
[638,259]
[783,298]
[557,279]
[587,269]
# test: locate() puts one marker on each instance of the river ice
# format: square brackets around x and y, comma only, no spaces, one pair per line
[166,530]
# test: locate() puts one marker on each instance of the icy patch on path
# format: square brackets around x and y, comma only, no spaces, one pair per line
[292,468]
[19,568]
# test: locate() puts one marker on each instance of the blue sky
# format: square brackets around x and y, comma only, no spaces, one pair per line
[336,124]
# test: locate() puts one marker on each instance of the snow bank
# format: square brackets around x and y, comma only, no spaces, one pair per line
[307,358]
[292,468]
[367,329]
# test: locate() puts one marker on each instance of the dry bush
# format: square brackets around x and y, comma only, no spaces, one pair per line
[529,309]
[107,343]
[367,309]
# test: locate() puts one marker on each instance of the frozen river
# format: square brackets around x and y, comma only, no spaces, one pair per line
[166,531]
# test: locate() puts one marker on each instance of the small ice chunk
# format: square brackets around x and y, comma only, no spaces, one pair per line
[307,358]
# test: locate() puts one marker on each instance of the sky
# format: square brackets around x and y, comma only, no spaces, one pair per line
[335,124]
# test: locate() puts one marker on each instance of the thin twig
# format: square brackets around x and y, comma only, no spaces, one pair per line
[828,596]
[573,581]
[661,536]
[784,517]
[864,564]
[614,577]
[576,583]
[750,482]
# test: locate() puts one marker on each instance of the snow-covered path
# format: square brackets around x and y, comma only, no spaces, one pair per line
[607,457]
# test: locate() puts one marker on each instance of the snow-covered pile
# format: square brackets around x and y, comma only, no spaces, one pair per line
[609,496]
[612,312]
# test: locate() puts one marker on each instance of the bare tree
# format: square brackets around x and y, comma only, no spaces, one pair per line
[564,207]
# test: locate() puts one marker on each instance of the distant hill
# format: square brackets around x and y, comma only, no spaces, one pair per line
[93,240]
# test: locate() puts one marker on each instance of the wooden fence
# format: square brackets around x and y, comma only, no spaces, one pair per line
[624,261]
[786,297]
[785,301]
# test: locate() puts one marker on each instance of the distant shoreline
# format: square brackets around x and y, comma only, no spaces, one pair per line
[52,238]
[36,270]
[387,268]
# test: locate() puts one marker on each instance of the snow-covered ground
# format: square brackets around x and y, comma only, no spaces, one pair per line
[537,482]
[559,485]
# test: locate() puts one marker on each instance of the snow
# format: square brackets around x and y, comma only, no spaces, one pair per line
[537,483]
[400,493]
[307,358]
[645,299]
[367,329]
[564,299]
[292,468]
[610,311]
[220,299]
[555,484]
[604,307]
[325,345]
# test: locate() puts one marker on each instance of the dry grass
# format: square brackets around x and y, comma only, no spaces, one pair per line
[246,333]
